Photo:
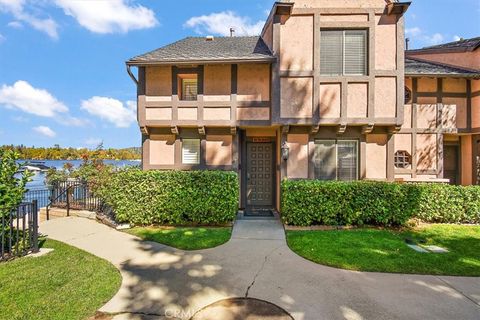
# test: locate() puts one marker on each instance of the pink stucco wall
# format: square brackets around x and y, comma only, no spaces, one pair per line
[218,150]
[162,150]
[357,100]
[296,97]
[253,82]
[385,96]
[297,163]
[376,156]
[386,42]
[296,43]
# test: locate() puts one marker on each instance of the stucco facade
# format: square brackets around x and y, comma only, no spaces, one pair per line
[283,117]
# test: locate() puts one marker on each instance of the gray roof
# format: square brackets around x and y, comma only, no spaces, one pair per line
[417,67]
[198,49]
[460,45]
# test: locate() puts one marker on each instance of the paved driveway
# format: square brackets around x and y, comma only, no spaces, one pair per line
[256,262]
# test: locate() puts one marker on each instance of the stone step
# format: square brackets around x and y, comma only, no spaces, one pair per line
[56,213]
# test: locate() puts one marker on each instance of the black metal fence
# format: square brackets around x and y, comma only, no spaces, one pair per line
[74,195]
[19,231]
[41,195]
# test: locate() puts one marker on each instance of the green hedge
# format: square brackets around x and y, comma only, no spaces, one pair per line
[172,197]
[313,202]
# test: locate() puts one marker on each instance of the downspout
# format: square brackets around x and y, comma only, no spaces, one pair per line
[130,73]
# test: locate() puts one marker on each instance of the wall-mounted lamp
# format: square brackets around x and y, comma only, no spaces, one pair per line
[285,151]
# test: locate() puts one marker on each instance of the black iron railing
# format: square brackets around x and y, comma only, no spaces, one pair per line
[74,195]
[19,231]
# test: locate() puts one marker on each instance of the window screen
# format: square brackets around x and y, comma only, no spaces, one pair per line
[336,160]
[355,52]
[325,161]
[347,160]
[190,151]
[189,89]
[343,52]
[331,52]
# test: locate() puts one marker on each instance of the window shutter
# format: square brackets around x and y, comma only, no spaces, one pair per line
[355,52]
[347,160]
[331,52]
[324,160]
[191,151]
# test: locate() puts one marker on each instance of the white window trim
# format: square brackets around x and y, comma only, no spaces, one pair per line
[335,141]
[199,152]
[367,54]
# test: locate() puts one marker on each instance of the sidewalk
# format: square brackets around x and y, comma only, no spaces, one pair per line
[256,262]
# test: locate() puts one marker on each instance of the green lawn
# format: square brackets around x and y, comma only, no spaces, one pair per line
[185,238]
[67,283]
[386,251]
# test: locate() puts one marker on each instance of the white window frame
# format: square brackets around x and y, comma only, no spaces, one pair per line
[199,151]
[336,155]
[367,54]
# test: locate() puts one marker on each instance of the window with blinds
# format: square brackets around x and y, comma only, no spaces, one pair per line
[190,151]
[343,52]
[336,160]
[189,89]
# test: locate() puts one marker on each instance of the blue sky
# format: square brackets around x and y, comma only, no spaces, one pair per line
[62,71]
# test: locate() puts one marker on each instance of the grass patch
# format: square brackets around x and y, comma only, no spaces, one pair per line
[67,283]
[386,250]
[185,238]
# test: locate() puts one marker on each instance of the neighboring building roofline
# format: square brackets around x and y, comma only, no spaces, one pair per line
[466,45]
[453,71]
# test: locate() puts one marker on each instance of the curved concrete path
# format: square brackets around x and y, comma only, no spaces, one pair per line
[160,282]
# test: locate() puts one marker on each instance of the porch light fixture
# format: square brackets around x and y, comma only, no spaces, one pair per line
[285,151]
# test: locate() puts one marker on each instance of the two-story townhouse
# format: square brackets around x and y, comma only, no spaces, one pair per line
[440,137]
[319,94]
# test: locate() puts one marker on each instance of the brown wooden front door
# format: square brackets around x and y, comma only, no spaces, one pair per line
[450,163]
[260,165]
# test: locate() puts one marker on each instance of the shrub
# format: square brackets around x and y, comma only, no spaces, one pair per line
[171,197]
[12,188]
[311,202]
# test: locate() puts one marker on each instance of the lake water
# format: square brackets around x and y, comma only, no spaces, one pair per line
[38,180]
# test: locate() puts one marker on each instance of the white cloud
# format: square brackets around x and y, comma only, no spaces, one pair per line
[111,110]
[23,96]
[17,9]
[221,22]
[93,142]
[15,25]
[457,38]
[109,16]
[415,31]
[436,38]
[46,131]
[2,38]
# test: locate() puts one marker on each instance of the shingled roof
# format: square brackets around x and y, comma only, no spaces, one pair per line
[455,46]
[417,67]
[202,50]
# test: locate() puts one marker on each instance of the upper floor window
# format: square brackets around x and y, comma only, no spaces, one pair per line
[189,88]
[190,151]
[336,160]
[343,52]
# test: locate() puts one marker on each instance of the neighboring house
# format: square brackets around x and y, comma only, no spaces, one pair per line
[442,113]
[319,95]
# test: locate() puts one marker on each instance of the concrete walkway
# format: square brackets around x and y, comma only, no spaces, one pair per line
[160,281]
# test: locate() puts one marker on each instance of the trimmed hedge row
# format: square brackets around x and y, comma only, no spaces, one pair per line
[172,197]
[313,202]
